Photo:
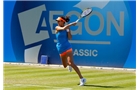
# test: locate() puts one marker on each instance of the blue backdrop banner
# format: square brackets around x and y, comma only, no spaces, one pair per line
[107,37]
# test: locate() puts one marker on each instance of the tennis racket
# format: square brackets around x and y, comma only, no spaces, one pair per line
[84,13]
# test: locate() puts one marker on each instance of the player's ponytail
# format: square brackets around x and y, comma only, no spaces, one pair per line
[67,18]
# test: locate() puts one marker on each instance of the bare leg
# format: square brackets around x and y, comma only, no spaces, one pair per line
[71,63]
[64,60]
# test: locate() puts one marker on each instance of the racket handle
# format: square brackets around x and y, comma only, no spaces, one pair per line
[77,20]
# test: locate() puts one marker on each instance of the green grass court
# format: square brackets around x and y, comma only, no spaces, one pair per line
[31,77]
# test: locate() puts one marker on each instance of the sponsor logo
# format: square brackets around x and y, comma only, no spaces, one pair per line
[95,36]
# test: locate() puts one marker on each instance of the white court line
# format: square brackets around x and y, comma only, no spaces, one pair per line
[55,66]
[26,85]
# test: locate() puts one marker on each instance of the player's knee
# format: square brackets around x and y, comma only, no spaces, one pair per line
[64,66]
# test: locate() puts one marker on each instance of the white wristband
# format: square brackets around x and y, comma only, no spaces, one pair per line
[68,30]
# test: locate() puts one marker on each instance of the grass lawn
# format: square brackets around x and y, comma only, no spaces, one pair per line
[31,77]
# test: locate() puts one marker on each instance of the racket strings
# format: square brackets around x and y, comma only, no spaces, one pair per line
[86,12]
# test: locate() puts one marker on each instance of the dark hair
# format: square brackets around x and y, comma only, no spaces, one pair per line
[67,18]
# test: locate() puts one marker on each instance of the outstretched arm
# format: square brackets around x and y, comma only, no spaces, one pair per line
[66,26]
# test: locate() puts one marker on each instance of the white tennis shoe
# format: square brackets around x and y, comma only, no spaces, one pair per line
[69,68]
[82,82]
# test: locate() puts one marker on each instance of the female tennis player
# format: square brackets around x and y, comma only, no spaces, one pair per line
[64,48]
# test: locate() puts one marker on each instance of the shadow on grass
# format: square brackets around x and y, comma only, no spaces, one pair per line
[101,86]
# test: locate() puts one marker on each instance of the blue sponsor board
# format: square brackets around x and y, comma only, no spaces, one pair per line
[107,37]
